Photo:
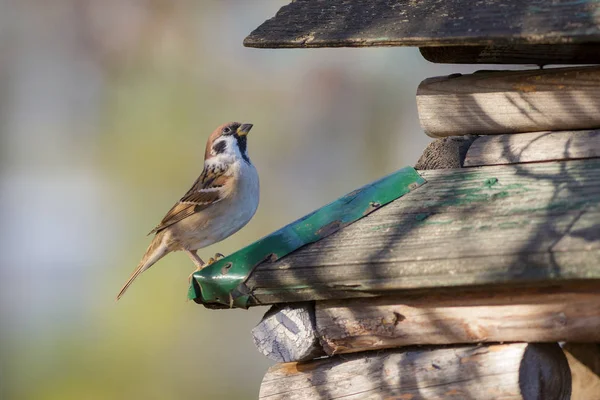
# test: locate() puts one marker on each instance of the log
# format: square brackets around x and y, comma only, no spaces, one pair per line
[585,380]
[534,224]
[533,147]
[336,23]
[528,315]
[287,333]
[496,102]
[511,371]
[445,153]
[538,54]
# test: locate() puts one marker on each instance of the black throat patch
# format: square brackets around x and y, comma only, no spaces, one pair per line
[242,142]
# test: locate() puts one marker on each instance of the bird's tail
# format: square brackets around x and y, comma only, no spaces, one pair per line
[157,250]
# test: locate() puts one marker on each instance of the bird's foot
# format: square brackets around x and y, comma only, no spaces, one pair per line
[214,259]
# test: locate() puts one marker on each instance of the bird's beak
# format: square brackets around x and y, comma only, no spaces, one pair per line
[244,129]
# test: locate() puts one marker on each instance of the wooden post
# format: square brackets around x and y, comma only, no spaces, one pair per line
[512,371]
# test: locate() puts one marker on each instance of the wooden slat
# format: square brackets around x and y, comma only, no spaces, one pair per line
[513,371]
[533,147]
[537,54]
[335,23]
[524,224]
[544,315]
[495,102]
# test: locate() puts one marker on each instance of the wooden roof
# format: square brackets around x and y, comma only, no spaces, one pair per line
[423,23]
[510,225]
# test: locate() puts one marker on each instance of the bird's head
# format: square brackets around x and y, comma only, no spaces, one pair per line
[229,140]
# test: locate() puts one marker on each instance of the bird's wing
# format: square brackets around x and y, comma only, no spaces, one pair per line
[209,188]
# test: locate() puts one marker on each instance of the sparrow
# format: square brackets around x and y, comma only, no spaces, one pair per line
[220,202]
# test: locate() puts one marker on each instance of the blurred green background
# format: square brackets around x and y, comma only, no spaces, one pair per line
[105,107]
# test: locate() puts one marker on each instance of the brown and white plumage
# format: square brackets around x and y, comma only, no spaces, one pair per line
[219,203]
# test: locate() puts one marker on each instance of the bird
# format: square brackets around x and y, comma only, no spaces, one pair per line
[221,201]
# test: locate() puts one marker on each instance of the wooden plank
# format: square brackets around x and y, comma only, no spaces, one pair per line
[585,380]
[544,315]
[533,147]
[523,224]
[495,102]
[537,54]
[513,371]
[336,23]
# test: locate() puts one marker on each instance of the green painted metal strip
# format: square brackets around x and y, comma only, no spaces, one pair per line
[222,284]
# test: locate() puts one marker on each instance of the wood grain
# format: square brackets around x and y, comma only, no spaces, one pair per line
[445,153]
[288,333]
[495,102]
[533,147]
[512,371]
[547,315]
[523,224]
[537,54]
[336,23]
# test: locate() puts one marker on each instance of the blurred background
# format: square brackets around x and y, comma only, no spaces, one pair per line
[105,107]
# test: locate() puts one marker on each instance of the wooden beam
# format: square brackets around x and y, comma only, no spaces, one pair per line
[537,54]
[336,23]
[532,224]
[288,333]
[512,371]
[529,315]
[495,102]
[533,147]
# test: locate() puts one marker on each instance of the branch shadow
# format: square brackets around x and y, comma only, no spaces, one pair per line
[525,263]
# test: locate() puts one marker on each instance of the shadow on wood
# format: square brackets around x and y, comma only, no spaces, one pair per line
[515,371]
[497,102]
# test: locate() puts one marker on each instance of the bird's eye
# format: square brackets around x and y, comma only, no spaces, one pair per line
[227,130]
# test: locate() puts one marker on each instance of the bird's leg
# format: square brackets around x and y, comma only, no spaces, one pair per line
[197,262]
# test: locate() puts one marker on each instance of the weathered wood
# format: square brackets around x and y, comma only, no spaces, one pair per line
[445,153]
[336,23]
[538,54]
[513,371]
[585,381]
[494,102]
[587,353]
[529,315]
[287,333]
[523,224]
[533,147]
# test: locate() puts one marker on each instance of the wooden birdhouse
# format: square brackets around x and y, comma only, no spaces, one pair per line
[474,275]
